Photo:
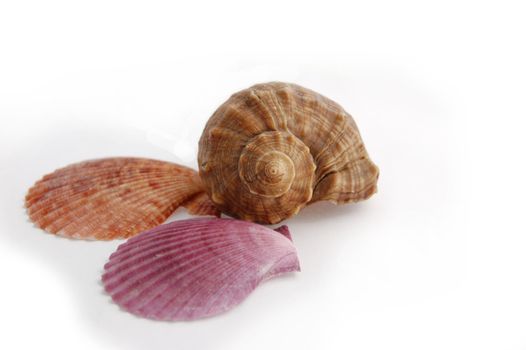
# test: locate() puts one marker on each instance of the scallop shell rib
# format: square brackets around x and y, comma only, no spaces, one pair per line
[197,268]
[110,198]
[336,166]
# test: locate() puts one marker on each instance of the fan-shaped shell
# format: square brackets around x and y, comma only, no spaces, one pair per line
[196,268]
[273,148]
[112,198]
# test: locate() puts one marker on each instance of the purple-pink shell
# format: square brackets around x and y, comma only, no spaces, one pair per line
[196,268]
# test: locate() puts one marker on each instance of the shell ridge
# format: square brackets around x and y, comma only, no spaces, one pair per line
[233,270]
[339,162]
[131,257]
[169,284]
[104,210]
[250,285]
[126,272]
[134,263]
[266,115]
[239,256]
[216,295]
[108,198]
[331,143]
[222,261]
[120,164]
[73,199]
[283,117]
[168,198]
[123,289]
[58,175]
[160,232]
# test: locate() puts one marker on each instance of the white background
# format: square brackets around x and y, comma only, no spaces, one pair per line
[435,260]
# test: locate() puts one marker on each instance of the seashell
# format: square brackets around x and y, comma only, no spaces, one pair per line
[197,268]
[274,148]
[111,198]
[265,153]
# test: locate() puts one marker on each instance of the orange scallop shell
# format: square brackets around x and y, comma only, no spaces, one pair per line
[114,197]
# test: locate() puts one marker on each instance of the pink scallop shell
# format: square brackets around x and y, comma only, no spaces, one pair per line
[110,198]
[197,268]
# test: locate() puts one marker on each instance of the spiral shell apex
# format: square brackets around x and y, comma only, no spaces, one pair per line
[274,148]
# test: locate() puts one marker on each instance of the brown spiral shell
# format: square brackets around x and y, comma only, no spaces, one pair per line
[273,148]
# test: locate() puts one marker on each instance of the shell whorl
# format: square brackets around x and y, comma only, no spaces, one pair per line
[273,148]
[268,164]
